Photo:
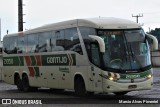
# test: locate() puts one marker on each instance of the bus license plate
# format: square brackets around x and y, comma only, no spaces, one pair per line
[132,86]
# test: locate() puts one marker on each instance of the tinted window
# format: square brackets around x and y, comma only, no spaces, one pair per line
[72,40]
[13,45]
[85,31]
[44,42]
[95,54]
[22,44]
[57,41]
[6,44]
[32,43]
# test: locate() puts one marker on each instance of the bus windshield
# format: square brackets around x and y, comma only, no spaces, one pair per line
[125,49]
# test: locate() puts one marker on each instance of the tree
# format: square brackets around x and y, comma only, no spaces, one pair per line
[156,33]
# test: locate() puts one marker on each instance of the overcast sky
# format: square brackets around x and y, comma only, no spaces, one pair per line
[40,12]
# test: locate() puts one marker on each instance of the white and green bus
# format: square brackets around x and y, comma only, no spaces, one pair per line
[106,55]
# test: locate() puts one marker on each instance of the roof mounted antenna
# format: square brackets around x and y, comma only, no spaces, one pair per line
[7,31]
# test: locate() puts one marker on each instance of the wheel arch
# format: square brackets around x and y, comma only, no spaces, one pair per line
[79,75]
[23,74]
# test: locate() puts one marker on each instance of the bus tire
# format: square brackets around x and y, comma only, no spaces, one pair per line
[120,93]
[79,87]
[25,83]
[18,82]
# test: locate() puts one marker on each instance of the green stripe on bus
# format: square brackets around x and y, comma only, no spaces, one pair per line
[47,60]
[21,59]
[33,60]
[36,69]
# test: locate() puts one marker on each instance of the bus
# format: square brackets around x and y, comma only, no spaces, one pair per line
[97,55]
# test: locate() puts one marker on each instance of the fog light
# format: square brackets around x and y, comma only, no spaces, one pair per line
[111,78]
[149,76]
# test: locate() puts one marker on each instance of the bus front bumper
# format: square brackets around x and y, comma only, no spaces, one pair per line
[112,86]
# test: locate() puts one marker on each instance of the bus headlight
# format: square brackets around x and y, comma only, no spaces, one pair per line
[111,78]
[149,76]
[108,77]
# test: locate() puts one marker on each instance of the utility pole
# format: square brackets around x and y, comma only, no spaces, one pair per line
[20,15]
[0,30]
[137,16]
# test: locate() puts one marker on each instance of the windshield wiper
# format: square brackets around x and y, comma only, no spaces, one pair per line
[134,58]
[132,53]
[126,53]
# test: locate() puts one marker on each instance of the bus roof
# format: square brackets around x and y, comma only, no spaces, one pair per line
[109,23]
[100,23]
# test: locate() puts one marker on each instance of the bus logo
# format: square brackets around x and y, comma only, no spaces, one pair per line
[59,60]
[56,60]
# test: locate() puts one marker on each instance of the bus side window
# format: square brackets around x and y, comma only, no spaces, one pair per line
[44,42]
[22,44]
[32,43]
[72,41]
[57,41]
[52,41]
[6,45]
[13,45]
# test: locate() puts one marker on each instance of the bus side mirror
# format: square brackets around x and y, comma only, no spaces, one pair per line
[155,41]
[100,42]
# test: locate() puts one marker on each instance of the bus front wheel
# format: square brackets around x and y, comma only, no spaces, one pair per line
[79,87]
[120,93]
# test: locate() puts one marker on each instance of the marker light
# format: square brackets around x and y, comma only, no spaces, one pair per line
[149,76]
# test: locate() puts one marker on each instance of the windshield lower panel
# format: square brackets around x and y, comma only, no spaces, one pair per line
[125,49]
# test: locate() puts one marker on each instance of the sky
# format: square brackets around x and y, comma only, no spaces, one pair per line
[41,12]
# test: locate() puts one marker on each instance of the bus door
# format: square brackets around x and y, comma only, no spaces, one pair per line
[65,72]
[58,74]
[94,68]
[53,76]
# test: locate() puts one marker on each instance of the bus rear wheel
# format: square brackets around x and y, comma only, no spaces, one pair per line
[79,87]
[19,83]
[25,83]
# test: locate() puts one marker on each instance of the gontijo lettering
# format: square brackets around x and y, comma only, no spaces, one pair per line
[57,59]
